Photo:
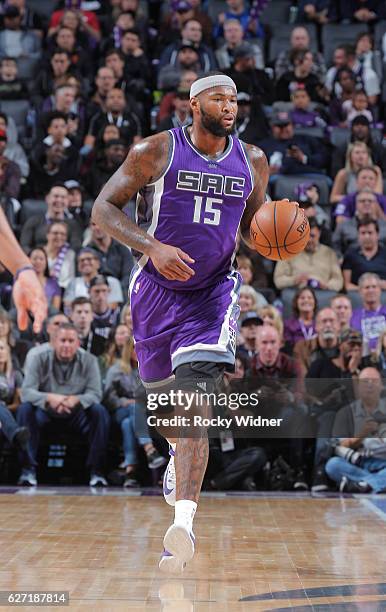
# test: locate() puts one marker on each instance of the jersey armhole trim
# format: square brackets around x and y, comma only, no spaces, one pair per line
[245,153]
[169,160]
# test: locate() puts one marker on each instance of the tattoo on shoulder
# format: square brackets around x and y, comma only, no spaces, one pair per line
[148,159]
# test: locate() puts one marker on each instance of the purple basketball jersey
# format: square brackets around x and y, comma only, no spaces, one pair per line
[197,205]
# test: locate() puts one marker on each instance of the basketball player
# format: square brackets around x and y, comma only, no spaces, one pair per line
[196,185]
[28,294]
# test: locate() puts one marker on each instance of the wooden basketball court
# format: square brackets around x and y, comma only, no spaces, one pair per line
[260,552]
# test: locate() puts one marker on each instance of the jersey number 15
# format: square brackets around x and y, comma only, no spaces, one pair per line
[211,215]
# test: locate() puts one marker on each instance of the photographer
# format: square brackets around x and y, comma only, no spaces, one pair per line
[10,383]
[363,425]
[330,386]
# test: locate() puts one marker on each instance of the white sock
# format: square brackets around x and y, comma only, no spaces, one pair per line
[184,512]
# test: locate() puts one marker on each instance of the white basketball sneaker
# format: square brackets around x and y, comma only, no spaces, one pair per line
[169,481]
[179,542]
[169,564]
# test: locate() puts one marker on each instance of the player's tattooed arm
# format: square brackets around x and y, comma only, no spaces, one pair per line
[145,163]
[260,170]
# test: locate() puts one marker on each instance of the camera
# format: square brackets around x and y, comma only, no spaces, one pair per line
[350,455]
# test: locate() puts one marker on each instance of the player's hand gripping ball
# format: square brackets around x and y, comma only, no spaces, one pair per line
[280,230]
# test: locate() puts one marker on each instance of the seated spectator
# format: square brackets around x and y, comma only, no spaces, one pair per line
[19,347]
[125,318]
[14,151]
[85,24]
[30,20]
[118,340]
[47,337]
[299,41]
[82,317]
[360,132]
[357,157]
[301,114]
[357,106]
[340,60]
[63,382]
[75,209]
[10,173]
[317,266]
[34,231]
[341,305]
[237,9]
[130,66]
[317,11]
[343,89]
[14,40]
[369,256]
[248,77]
[360,427]
[55,159]
[88,266]
[249,300]
[105,81]
[187,58]
[290,153]
[58,70]
[52,291]
[11,86]
[65,100]
[234,36]
[122,389]
[191,33]
[270,365]
[370,319]
[181,115]
[323,345]
[330,385]
[301,75]
[248,332]
[271,316]
[104,167]
[366,54]
[379,355]
[115,258]
[10,382]
[308,196]
[187,78]
[366,179]
[251,122]
[61,258]
[121,22]
[117,113]
[362,11]
[66,38]
[302,324]
[106,315]
[247,270]
[346,232]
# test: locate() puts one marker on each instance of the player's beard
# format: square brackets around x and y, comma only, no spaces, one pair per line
[214,126]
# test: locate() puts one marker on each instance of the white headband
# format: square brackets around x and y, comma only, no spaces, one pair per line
[217,80]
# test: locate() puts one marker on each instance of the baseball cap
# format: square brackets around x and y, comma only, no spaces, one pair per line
[99,279]
[351,335]
[183,94]
[187,44]
[11,11]
[281,118]
[182,6]
[3,135]
[252,318]
[243,97]
[114,141]
[243,50]
[72,184]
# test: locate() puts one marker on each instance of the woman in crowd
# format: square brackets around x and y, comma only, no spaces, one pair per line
[357,157]
[123,389]
[119,336]
[126,319]
[61,258]
[271,316]
[301,326]
[10,382]
[249,300]
[50,285]
[18,348]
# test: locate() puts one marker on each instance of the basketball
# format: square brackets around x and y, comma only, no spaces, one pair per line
[280,230]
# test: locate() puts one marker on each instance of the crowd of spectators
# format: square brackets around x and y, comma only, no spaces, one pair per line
[80,83]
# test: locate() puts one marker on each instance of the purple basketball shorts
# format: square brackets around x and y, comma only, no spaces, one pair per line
[176,327]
